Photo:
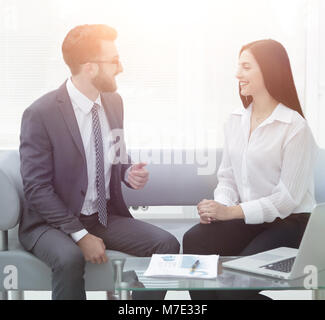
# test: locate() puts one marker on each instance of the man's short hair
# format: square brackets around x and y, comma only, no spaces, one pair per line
[83,43]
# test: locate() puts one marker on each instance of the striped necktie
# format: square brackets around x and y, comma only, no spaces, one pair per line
[100,172]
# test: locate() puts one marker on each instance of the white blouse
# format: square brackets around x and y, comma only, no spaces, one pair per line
[270,173]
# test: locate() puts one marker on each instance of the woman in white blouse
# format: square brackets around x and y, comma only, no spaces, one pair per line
[265,188]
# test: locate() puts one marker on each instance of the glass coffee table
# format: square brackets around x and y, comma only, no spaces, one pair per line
[126,269]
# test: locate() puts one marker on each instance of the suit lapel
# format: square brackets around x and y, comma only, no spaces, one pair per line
[111,118]
[110,115]
[66,108]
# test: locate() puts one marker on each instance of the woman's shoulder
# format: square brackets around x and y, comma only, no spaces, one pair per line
[236,114]
[292,116]
[298,125]
[233,120]
[238,111]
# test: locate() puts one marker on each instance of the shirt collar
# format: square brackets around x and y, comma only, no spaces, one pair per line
[79,100]
[280,113]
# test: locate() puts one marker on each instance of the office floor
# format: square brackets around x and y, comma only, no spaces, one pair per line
[180,295]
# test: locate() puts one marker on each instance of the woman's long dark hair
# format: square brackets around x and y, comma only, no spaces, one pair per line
[274,63]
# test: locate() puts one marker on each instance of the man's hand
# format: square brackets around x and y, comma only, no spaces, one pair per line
[138,176]
[93,249]
[210,210]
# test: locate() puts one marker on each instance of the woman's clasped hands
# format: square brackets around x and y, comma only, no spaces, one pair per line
[210,211]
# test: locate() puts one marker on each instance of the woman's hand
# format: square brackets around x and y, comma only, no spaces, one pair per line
[210,210]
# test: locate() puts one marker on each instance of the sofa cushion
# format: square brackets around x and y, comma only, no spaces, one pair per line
[33,274]
[176,177]
[11,195]
[319,175]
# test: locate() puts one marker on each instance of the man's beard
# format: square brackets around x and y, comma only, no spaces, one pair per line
[103,84]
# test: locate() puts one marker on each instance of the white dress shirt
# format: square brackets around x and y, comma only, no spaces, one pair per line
[82,108]
[270,173]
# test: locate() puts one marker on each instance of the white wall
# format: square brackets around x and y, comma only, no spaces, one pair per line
[179,59]
[321,140]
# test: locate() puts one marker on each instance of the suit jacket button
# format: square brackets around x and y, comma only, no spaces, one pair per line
[83,192]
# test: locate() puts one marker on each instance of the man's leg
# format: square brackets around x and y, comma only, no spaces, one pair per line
[137,238]
[67,263]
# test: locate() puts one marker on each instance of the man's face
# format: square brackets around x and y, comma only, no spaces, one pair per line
[108,67]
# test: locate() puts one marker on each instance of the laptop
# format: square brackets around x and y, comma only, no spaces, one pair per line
[289,263]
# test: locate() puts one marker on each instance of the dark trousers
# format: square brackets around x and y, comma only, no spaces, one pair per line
[235,238]
[128,235]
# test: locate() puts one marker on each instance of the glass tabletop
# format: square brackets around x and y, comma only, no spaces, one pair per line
[227,279]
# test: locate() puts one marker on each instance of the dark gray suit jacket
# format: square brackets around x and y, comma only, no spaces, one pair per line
[53,165]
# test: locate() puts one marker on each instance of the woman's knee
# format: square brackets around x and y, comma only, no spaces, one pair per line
[214,238]
[194,239]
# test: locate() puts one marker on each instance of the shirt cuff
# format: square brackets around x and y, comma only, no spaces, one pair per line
[223,200]
[127,174]
[225,196]
[253,212]
[76,236]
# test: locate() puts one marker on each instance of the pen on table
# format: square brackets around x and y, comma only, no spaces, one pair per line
[194,266]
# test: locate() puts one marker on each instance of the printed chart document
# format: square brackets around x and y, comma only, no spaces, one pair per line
[183,266]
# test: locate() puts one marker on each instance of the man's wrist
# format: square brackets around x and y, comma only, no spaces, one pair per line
[126,175]
[77,236]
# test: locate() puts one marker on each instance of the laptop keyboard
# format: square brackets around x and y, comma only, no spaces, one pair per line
[283,265]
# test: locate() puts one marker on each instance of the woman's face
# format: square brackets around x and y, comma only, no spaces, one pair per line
[249,74]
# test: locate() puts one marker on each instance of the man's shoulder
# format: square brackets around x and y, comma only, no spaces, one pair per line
[45,102]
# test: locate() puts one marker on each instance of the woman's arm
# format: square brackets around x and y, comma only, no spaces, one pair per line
[225,195]
[296,176]
[226,191]
[297,171]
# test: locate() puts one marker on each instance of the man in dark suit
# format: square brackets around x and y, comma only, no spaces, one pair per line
[73,160]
